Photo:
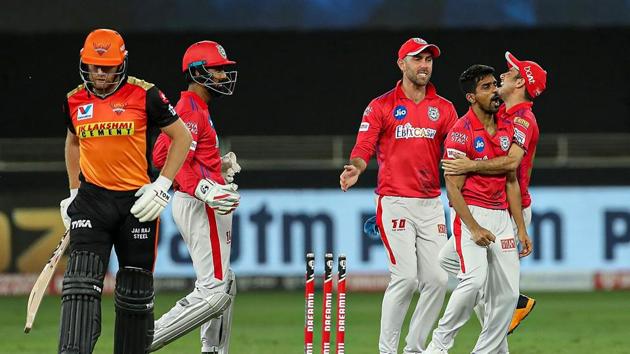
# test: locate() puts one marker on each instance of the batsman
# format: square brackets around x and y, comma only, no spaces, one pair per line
[113,202]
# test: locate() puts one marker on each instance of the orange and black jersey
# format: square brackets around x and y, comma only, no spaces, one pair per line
[114,131]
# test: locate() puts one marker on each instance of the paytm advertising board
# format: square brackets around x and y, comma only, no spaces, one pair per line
[574,230]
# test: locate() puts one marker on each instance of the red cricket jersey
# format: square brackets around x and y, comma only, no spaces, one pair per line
[526,135]
[407,138]
[203,159]
[470,138]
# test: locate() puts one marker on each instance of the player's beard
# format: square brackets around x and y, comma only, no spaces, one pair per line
[417,79]
[493,105]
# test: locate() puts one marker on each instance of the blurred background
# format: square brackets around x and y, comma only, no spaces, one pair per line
[307,69]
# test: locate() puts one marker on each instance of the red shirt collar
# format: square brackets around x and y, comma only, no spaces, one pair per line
[195,97]
[431,91]
[476,122]
[519,106]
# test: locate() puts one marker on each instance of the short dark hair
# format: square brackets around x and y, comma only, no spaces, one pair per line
[469,79]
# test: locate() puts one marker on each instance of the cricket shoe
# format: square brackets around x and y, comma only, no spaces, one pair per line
[432,349]
[524,306]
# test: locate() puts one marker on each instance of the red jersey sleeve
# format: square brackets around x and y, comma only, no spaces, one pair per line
[457,141]
[369,131]
[524,129]
[187,179]
[449,122]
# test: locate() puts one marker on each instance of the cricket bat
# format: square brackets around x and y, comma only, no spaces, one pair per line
[41,284]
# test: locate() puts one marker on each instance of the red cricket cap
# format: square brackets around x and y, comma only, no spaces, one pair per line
[416,45]
[535,76]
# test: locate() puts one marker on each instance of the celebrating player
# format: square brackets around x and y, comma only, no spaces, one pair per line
[408,125]
[109,117]
[202,205]
[482,228]
[523,81]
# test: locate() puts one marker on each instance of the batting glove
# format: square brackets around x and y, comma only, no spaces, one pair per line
[229,167]
[153,199]
[63,207]
[222,198]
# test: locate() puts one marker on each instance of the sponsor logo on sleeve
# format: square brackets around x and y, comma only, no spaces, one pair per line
[522,122]
[505,143]
[367,111]
[85,111]
[519,136]
[408,131]
[364,126]
[193,145]
[453,153]
[479,144]
[163,97]
[459,138]
[400,112]
[433,113]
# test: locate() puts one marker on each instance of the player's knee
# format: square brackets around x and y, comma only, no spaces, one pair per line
[437,279]
[407,282]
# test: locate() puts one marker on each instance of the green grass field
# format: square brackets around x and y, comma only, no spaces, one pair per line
[272,323]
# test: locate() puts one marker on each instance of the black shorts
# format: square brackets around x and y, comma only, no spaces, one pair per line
[102,218]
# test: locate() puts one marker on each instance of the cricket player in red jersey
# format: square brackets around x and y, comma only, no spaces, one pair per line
[406,128]
[113,202]
[482,228]
[202,205]
[523,81]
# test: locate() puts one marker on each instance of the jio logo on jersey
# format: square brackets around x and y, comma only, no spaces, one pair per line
[400,112]
[479,144]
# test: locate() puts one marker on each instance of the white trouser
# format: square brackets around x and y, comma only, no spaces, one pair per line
[208,236]
[492,271]
[413,231]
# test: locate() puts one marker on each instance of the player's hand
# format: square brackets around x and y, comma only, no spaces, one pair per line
[482,237]
[525,243]
[63,207]
[153,199]
[348,177]
[222,198]
[459,166]
[229,167]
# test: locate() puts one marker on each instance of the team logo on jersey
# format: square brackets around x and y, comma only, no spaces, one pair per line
[97,130]
[367,111]
[408,131]
[433,113]
[364,126]
[508,244]
[522,122]
[118,108]
[479,144]
[85,111]
[400,112]
[505,143]
[101,48]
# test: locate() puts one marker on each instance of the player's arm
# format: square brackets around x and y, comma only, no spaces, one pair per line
[513,192]
[178,150]
[72,160]
[496,166]
[454,185]
[364,147]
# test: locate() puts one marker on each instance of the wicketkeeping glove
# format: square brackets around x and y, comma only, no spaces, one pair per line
[229,167]
[153,199]
[222,198]
[63,207]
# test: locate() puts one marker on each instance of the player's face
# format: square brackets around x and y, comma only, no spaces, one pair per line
[417,68]
[103,77]
[486,94]
[509,80]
